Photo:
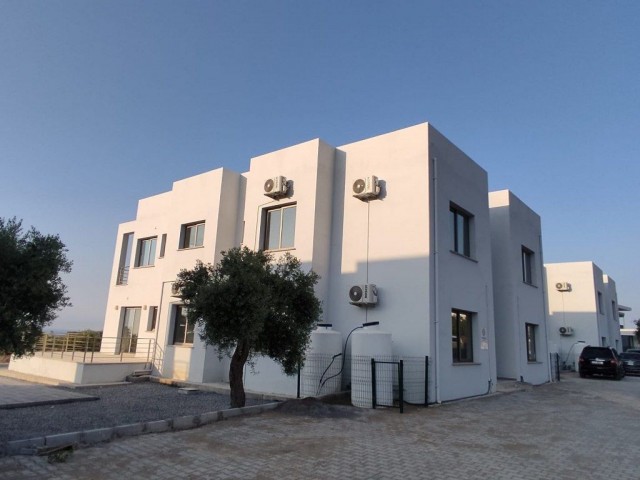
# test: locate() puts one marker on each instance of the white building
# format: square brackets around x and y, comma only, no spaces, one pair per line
[518,290]
[424,239]
[583,307]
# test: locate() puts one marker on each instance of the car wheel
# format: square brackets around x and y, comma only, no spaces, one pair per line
[582,374]
[617,376]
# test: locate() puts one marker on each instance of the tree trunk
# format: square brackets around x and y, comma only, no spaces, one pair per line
[236,370]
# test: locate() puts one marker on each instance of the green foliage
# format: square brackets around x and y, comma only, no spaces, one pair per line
[251,305]
[31,289]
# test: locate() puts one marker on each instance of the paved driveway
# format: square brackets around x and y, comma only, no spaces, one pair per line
[577,429]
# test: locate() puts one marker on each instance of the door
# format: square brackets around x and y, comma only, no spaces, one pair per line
[129,334]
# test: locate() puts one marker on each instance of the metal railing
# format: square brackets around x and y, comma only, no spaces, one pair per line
[94,348]
[123,276]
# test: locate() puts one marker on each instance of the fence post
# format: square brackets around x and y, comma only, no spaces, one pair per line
[66,345]
[53,345]
[373,382]
[44,345]
[401,384]
[426,381]
[298,390]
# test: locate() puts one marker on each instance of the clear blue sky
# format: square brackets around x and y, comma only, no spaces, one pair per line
[106,102]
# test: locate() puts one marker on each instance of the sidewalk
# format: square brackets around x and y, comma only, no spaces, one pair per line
[17,393]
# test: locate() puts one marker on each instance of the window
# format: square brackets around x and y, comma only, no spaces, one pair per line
[530,329]
[527,265]
[129,332]
[125,259]
[280,228]
[461,228]
[600,306]
[462,340]
[192,235]
[183,330]
[163,244]
[153,318]
[146,252]
[614,312]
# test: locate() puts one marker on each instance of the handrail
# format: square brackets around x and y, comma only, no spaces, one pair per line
[92,347]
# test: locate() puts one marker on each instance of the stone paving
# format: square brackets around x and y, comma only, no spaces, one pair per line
[18,393]
[575,429]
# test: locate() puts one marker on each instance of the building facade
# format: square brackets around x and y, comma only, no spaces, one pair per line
[406,211]
[518,290]
[583,308]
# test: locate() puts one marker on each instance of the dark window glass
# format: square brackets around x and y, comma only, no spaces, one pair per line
[461,336]
[153,318]
[460,224]
[527,266]
[146,252]
[531,341]
[163,244]
[183,329]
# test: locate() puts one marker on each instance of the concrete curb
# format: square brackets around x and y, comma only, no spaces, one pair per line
[85,438]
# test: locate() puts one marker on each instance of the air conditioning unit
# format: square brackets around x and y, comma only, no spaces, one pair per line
[276,187]
[566,331]
[175,290]
[363,295]
[563,287]
[366,188]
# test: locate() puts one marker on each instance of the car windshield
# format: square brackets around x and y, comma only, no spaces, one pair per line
[596,352]
[630,356]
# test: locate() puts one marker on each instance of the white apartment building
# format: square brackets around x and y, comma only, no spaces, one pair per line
[583,308]
[518,290]
[418,228]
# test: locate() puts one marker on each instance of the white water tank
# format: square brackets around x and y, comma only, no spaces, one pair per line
[321,374]
[367,343]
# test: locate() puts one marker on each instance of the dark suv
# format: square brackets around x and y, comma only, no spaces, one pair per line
[600,361]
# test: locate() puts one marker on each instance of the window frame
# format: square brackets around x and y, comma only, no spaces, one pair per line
[180,312]
[461,218]
[149,255]
[600,303]
[185,237]
[152,320]
[456,346]
[528,266]
[267,222]
[531,331]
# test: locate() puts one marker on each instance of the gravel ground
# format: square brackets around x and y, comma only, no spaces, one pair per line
[116,405]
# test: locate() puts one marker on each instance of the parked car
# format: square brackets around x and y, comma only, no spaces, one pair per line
[600,361]
[632,350]
[631,362]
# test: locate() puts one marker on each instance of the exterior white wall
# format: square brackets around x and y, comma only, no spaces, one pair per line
[579,308]
[460,282]
[401,241]
[212,197]
[514,226]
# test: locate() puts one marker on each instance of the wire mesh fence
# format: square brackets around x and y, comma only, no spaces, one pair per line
[384,381]
[554,359]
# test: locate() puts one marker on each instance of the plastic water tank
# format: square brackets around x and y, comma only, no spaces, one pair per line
[321,372]
[367,343]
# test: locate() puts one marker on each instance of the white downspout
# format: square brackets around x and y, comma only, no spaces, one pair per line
[436,364]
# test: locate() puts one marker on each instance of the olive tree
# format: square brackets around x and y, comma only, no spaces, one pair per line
[31,289]
[248,305]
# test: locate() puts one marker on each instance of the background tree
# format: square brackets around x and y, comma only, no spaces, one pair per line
[248,305]
[31,289]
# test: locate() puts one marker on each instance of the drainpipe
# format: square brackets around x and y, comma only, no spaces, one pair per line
[543,283]
[158,318]
[436,290]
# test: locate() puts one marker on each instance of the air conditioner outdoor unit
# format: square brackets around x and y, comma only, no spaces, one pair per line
[366,188]
[566,331]
[563,287]
[175,291]
[363,295]
[276,187]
